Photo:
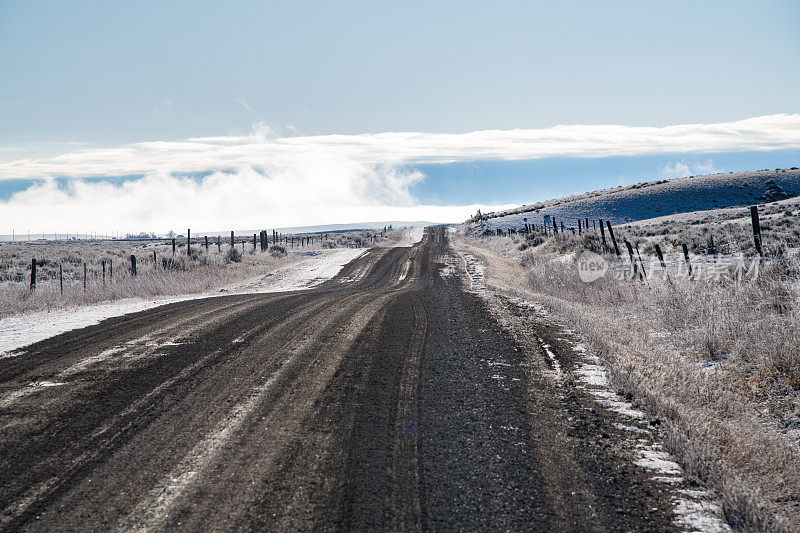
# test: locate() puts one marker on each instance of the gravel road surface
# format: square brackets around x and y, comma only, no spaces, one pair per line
[366,403]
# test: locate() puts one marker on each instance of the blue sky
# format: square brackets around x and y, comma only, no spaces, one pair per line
[85,76]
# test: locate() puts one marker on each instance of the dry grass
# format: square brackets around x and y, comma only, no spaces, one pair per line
[718,360]
[203,271]
[730,230]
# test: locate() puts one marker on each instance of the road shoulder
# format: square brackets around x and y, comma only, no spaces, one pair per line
[621,442]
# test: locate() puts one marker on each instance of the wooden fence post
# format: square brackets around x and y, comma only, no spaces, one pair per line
[173,246]
[103,264]
[33,273]
[206,243]
[579,226]
[660,256]
[219,243]
[84,277]
[602,232]
[641,263]
[633,260]
[111,271]
[686,257]
[613,240]
[133,265]
[233,243]
[61,278]
[254,243]
[756,229]
[555,227]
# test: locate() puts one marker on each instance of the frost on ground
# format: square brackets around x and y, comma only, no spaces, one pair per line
[21,330]
[694,510]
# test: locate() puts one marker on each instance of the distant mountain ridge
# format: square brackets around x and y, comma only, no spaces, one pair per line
[659,198]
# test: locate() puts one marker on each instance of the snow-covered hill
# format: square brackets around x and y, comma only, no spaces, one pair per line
[656,199]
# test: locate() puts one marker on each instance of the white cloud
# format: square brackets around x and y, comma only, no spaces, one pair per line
[305,193]
[681,169]
[265,179]
[263,148]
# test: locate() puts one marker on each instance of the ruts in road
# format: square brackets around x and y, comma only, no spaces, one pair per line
[365,403]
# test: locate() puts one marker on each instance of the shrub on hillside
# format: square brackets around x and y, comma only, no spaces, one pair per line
[233,256]
[277,251]
[173,263]
[532,240]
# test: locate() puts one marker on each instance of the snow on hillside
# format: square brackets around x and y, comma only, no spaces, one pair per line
[658,199]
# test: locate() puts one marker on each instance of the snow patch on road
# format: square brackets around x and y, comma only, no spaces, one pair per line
[450,266]
[556,372]
[416,234]
[22,330]
[699,514]
[409,237]
[694,510]
[404,273]
[475,272]
[652,457]
[593,375]
[318,268]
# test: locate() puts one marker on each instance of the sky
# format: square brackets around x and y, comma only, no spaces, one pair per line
[151,116]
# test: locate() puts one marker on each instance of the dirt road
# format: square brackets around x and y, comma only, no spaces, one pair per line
[386,398]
